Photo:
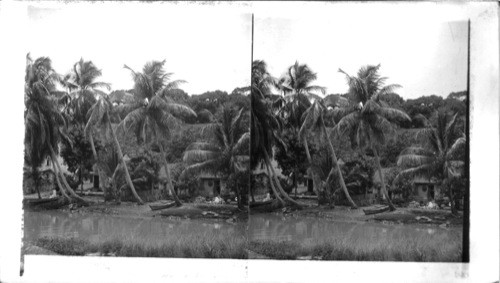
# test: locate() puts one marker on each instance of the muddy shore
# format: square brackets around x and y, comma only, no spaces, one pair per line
[230,212]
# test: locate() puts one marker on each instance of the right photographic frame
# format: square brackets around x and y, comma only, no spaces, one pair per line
[359,139]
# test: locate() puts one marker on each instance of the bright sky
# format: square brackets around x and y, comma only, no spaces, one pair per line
[425,57]
[208,48]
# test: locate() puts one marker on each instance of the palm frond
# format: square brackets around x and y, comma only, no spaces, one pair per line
[420,171]
[100,84]
[242,145]
[315,88]
[209,130]
[457,147]
[393,115]
[203,146]
[417,150]
[347,122]
[414,160]
[449,131]
[193,156]
[174,84]
[168,105]
[134,121]
[207,166]
[166,123]
[388,89]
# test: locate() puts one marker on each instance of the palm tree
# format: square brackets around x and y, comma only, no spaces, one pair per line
[298,93]
[296,85]
[100,118]
[81,84]
[368,119]
[264,128]
[313,119]
[45,126]
[226,148]
[152,114]
[440,156]
[82,94]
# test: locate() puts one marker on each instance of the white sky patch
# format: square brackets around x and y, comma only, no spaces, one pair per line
[425,57]
[207,48]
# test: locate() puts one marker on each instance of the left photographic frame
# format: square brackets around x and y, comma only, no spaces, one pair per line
[136,132]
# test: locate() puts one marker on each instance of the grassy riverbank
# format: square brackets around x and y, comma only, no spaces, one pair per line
[186,247]
[423,249]
[418,250]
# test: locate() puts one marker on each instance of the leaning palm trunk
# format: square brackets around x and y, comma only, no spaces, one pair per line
[280,189]
[314,177]
[63,178]
[36,180]
[170,185]
[336,164]
[269,173]
[382,181]
[120,156]
[102,177]
[58,181]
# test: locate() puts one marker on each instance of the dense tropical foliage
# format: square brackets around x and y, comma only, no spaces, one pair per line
[353,136]
[76,118]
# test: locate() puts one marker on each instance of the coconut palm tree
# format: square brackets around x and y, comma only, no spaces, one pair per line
[298,93]
[264,128]
[441,157]
[297,86]
[225,149]
[82,94]
[313,119]
[152,115]
[45,126]
[368,119]
[100,118]
[81,85]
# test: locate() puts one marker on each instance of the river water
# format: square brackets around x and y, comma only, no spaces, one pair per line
[102,227]
[99,227]
[309,229]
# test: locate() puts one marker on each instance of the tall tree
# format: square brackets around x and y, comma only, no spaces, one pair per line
[224,151]
[368,119]
[82,86]
[313,119]
[153,113]
[100,118]
[45,126]
[264,127]
[299,92]
[441,157]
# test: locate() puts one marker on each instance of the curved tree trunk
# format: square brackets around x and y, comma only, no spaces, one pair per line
[283,193]
[100,173]
[80,178]
[328,188]
[120,156]
[336,164]
[315,179]
[382,181]
[252,193]
[58,181]
[170,185]
[63,178]
[273,188]
[114,189]
[36,180]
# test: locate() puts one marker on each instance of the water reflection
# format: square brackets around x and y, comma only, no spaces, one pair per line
[96,227]
[273,227]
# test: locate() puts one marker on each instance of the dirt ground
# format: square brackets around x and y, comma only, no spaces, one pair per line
[231,212]
[402,215]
